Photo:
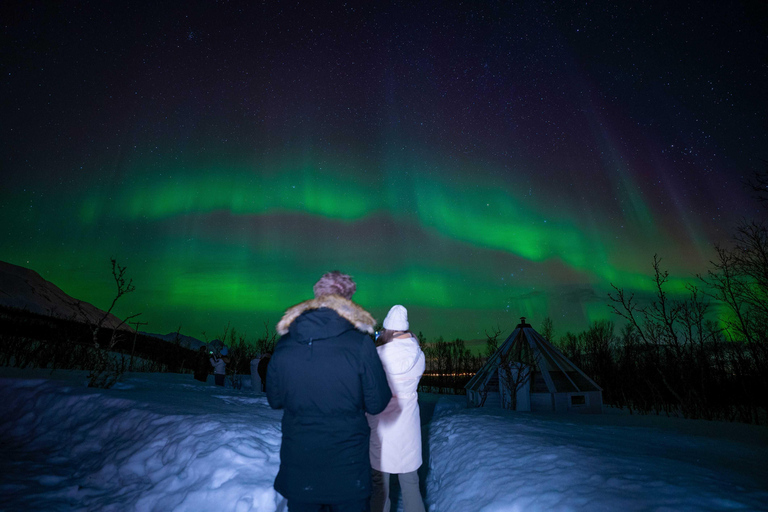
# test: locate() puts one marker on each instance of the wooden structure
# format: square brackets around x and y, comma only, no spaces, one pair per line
[527,373]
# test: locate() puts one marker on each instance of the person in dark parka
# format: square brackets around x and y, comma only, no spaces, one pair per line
[202,366]
[326,374]
[263,368]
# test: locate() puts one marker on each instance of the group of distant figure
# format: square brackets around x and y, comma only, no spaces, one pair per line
[218,359]
[351,414]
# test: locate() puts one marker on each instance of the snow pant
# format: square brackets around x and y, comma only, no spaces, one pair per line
[347,506]
[409,488]
[218,379]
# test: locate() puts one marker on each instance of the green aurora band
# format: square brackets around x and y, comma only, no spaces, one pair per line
[211,245]
[475,162]
[486,215]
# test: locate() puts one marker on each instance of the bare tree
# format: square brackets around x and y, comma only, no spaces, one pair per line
[516,367]
[677,348]
[266,343]
[759,184]
[104,370]
[548,329]
[739,279]
[492,341]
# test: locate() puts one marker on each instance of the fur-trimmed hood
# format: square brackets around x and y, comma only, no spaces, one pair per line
[357,316]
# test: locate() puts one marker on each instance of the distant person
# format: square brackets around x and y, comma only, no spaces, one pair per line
[202,367]
[325,373]
[263,368]
[255,378]
[396,432]
[219,362]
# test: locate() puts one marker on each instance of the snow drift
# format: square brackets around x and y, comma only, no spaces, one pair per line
[166,442]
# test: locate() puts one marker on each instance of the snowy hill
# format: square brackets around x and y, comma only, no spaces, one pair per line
[25,289]
[168,442]
[185,341]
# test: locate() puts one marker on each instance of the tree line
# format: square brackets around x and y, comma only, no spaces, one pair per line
[704,355]
[30,340]
[449,365]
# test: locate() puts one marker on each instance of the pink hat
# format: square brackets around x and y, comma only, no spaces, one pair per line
[335,283]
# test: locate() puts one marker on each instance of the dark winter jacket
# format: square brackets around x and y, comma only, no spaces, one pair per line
[326,374]
[263,368]
[202,366]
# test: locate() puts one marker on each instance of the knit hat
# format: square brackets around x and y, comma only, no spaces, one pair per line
[397,319]
[335,283]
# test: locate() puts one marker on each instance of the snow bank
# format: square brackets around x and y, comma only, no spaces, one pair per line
[485,460]
[178,445]
[169,443]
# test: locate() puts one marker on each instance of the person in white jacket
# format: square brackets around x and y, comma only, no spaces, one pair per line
[219,363]
[395,446]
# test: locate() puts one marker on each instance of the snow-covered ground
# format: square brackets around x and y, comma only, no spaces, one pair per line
[167,442]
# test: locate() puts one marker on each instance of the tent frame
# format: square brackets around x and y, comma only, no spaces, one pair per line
[584,397]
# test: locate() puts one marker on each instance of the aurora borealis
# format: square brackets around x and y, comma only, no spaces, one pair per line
[475,163]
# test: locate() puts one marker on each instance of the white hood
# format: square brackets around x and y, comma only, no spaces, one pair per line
[399,356]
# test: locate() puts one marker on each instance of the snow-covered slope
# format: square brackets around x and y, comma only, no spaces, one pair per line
[25,289]
[185,341]
[169,443]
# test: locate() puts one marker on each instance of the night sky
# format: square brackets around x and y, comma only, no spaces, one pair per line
[475,162]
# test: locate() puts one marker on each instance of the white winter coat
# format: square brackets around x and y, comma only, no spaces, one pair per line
[219,365]
[396,432]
